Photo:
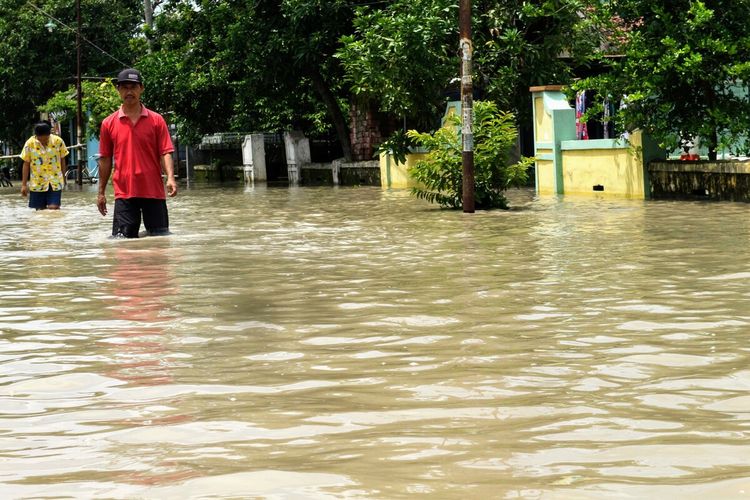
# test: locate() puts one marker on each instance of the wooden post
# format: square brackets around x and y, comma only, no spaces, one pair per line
[467,135]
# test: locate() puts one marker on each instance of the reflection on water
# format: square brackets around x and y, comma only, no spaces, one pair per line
[355,343]
[141,280]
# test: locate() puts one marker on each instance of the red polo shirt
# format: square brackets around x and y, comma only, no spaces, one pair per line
[137,149]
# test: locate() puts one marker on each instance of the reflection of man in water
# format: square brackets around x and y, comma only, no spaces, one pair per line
[141,283]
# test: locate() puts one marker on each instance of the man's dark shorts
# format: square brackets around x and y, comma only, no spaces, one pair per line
[42,199]
[127,217]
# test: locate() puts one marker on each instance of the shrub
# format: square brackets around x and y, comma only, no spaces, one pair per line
[441,173]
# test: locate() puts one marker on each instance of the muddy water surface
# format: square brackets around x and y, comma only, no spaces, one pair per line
[358,343]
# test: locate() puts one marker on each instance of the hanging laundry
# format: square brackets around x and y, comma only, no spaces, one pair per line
[582,132]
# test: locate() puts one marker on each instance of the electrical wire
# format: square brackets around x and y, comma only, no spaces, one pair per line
[74,30]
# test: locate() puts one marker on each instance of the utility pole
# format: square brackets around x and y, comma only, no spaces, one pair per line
[79,96]
[467,100]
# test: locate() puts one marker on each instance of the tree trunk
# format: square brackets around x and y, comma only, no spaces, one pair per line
[713,141]
[148,13]
[713,145]
[148,17]
[334,110]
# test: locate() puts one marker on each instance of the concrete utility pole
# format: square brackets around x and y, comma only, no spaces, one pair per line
[467,100]
[79,96]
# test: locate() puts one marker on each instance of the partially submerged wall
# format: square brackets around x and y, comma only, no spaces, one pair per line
[566,165]
[396,175]
[719,180]
[341,173]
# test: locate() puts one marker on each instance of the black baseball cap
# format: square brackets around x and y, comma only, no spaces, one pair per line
[129,75]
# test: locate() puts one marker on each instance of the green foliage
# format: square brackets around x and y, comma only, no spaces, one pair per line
[398,144]
[100,99]
[519,44]
[685,69]
[249,66]
[36,63]
[402,56]
[441,173]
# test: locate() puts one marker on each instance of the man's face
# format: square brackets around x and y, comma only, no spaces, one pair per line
[130,93]
[44,139]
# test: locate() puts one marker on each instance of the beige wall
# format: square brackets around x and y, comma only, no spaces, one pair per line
[399,175]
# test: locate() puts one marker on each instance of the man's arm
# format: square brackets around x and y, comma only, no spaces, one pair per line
[25,178]
[105,170]
[64,167]
[167,165]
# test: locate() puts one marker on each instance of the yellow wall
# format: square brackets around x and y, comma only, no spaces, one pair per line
[545,169]
[542,121]
[398,171]
[545,177]
[620,171]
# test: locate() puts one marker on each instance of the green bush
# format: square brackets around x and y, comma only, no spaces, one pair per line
[441,173]
[398,145]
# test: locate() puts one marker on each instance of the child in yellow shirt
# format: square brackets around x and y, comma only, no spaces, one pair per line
[44,168]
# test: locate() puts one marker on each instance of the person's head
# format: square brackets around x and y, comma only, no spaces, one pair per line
[129,83]
[42,130]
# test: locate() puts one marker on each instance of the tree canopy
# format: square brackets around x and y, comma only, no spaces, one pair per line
[259,65]
[520,44]
[244,66]
[100,99]
[402,56]
[684,69]
[37,62]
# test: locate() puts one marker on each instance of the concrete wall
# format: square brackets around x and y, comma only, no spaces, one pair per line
[720,180]
[601,167]
[362,173]
[554,122]
[607,166]
[545,177]
[217,173]
[396,175]
[338,172]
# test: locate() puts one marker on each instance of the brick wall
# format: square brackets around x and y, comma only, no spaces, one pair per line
[364,130]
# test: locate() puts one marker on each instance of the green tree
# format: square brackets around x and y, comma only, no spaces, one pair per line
[441,173]
[251,65]
[37,63]
[100,99]
[404,56]
[521,43]
[685,69]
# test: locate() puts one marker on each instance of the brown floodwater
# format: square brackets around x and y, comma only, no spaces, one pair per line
[327,343]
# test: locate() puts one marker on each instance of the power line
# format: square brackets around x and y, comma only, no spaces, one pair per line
[74,30]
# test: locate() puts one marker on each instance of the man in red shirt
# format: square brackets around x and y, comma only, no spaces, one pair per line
[139,141]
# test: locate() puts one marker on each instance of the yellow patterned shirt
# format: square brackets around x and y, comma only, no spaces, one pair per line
[45,163]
